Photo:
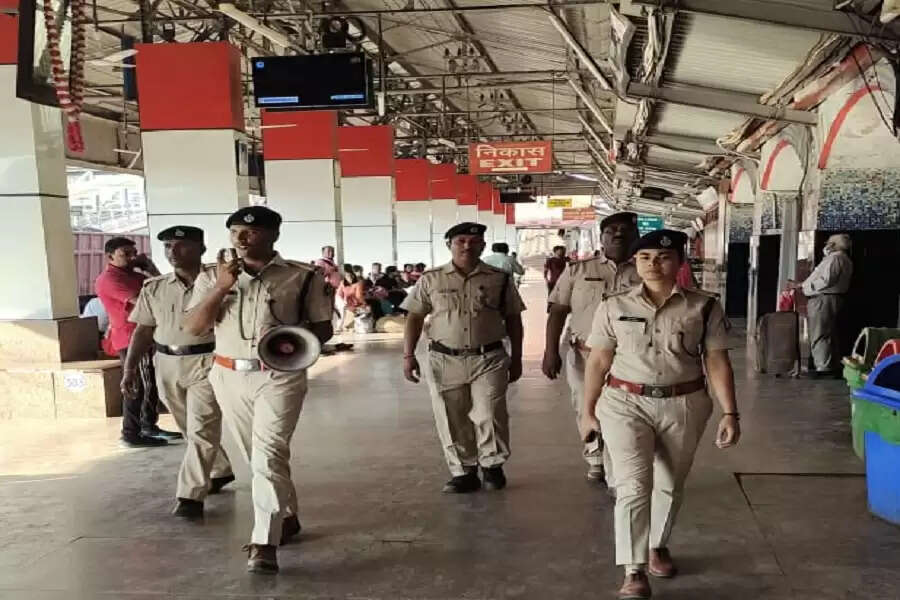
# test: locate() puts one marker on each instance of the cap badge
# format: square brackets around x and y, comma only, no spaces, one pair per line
[179,233]
[249,218]
[473,230]
[665,242]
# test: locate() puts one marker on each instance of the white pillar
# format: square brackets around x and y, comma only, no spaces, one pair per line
[191,178]
[367,207]
[467,213]
[414,232]
[512,238]
[195,161]
[498,223]
[443,216]
[307,193]
[36,243]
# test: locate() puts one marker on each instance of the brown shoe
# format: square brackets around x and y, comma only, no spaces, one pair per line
[635,587]
[289,528]
[661,564]
[261,559]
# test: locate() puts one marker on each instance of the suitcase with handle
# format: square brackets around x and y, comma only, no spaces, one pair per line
[778,344]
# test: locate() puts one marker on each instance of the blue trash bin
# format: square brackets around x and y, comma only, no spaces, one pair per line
[881,402]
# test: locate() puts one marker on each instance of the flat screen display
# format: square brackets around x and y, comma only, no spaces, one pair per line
[341,80]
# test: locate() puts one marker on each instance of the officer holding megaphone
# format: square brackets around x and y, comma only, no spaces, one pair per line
[270,317]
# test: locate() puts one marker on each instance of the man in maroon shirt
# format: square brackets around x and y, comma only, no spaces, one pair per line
[554,266]
[118,287]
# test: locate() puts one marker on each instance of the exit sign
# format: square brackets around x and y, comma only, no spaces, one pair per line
[648,223]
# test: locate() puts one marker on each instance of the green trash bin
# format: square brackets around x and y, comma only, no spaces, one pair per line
[855,378]
[856,367]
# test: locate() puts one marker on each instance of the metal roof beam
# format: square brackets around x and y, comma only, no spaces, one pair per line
[681,143]
[440,91]
[721,100]
[787,15]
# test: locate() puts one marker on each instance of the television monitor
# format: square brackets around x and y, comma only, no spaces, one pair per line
[314,81]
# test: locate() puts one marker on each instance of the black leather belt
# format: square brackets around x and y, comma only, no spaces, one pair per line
[186,350]
[439,347]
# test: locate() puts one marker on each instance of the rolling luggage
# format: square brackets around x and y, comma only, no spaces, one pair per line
[778,344]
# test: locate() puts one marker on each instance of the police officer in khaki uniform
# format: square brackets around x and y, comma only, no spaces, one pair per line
[579,290]
[244,298]
[182,362]
[649,346]
[472,308]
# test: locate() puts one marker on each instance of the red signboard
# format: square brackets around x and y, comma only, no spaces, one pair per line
[510,157]
[579,215]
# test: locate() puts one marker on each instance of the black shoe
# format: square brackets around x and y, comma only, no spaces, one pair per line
[289,528]
[343,347]
[156,432]
[494,479]
[463,484]
[261,559]
[141,441]
[217,483]
[190,510]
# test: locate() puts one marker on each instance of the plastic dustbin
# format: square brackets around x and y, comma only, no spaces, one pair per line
[878,411]
[869,343]
[890,348]
[855,378]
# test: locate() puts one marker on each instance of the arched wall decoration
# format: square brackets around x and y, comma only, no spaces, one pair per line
[839,121]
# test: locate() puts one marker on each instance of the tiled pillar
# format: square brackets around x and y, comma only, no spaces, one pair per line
[467,199]
[485,198]
[36,242]
[443,209]
[413,211]
[368,194]
[498,220]
[303,178]
[192,135]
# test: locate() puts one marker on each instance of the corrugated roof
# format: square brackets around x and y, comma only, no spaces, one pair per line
[734,55]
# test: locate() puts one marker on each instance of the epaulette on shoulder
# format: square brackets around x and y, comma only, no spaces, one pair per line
[494,269]
[150,280]
[300,265]
[433,270]
[705,293]
[617,294]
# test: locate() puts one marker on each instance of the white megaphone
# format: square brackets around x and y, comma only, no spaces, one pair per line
[289,348]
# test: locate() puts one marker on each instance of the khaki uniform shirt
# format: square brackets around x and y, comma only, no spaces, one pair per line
[466,312]
[832,276]
[584,284]
[258,303]
[162,303]
[658,346]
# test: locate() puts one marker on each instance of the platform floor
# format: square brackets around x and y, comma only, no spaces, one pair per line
[782,516]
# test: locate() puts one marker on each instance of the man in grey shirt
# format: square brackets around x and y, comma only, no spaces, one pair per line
[827,289]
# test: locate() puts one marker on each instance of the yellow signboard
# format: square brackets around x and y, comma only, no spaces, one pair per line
[557,202]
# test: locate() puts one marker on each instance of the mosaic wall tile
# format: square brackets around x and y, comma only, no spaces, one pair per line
[855,199]
[740,223]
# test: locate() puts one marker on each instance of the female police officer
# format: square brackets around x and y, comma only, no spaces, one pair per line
[648,350]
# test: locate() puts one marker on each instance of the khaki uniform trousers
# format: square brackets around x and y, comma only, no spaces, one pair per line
[183,385]
[595,453]
[652,442]
[261,408]
[468,395]
[824,328]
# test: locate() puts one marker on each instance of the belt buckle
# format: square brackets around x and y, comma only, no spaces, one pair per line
[175,349]
[657,392]
[241,364]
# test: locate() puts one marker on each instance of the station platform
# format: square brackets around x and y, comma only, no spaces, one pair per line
[782,516]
